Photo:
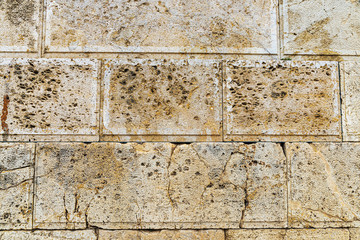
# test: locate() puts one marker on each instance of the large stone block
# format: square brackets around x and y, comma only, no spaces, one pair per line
[282,101]
[354,233]
[350,94]
[157,100]
[19,25]
[324,189]
[160,185]
[229,26]
[16,185]
[49,99]
[258,234]
[320,27]
[162,235]
[48,235]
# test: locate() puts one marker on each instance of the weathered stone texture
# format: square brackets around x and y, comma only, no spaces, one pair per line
[16,185]
[177,100]
[350,93]
[284,101]
[324,184]
[160,185]
[162,235]
[48,235]
[259,234]
[328,27]
[19,25]
[161,26]
[354,233]
[49,99]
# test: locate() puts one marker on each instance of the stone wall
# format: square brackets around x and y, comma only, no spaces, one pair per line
[206,119]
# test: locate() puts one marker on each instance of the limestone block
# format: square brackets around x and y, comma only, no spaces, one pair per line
[324,184]
[350,93]
[162,100]
[282,101]
[48,235]
[259,234]
[19,25]
[228,26]
[16,185]
[328,27]
[317,234]
[162,235]
[354,233]
[49,99]
[160,185]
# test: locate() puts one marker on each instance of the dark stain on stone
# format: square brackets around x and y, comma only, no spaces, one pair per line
[4,114]
[19,11]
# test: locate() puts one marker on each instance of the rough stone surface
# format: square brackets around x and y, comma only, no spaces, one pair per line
[161,26]
[177,100]
[350,93]
[49,99]
[328,27]
[317,234]
[160,185]
[324,188]
[19,25]
[282,101]
[48,235]
[16,185]
[260,234]
[162,235]
[354,233]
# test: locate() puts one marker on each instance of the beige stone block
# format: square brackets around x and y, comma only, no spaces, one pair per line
[160,185]
[48,235]
[258,234]
[324,188]
[281,101]
[354,233]
[162,100]
[350,90]
[19,25]
[162,235]
[328,27]
[49,99]
[16,185]
[317,234]
[204,26]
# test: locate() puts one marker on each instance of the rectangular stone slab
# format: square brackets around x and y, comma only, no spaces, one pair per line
[324,188]
[350,94]
[160,185]
[16,185]
[48,235]
[49,99]
[162,100]
[320,27]
[281,101]
[19,25]
[229,26]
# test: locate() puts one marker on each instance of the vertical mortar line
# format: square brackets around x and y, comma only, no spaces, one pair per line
[34,186]
[279,29]
[222,101]
[42,28]
[287,169]
[100,82]
[340,102]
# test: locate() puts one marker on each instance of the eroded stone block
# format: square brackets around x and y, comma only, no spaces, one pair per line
[16,185]
[161,26]
[317,234]
[321,27]
[19,25]
[157,100]
[49,99]
[283,101]
[160,185]
[259,234]
[48,235]
[354,233]
[324,184]
[163,235]
[350,93]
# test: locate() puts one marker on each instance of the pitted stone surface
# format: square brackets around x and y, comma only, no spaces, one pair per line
[45,99]
[328,27]
[161,26]
[350,92]
[162,235]
[324,184]
[259,234]
[162,100]
[19,25]
[48,235]
[317,234]
[354,233]
[284,101]
[16,185]
[160,185]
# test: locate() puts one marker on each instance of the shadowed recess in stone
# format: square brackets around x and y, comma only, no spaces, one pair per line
[160,185]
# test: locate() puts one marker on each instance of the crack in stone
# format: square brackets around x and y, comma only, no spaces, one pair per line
[65,209]
[16,185]
[173,148]
[4,170]
[325,213]
[246,197]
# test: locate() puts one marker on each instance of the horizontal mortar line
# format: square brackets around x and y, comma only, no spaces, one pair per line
[137,223]
[321,55]
[184,53]
[165,135]
[289,135]
[15,52]
[47,134]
